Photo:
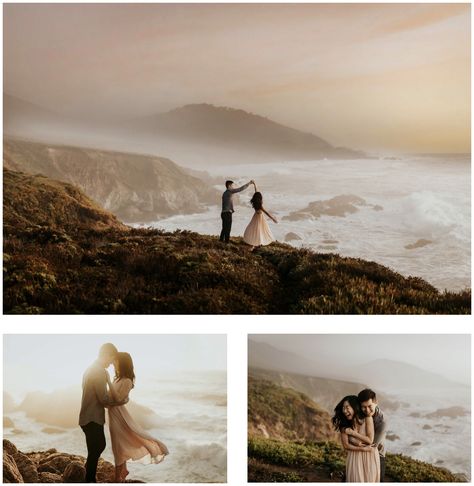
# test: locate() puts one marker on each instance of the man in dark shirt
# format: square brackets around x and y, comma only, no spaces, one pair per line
[228,208]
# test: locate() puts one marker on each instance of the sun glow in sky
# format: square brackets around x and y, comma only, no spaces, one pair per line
[370,76]
[49,362]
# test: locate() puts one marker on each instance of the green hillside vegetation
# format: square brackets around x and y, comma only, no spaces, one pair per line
[63,254]
[274,411]
[301,459]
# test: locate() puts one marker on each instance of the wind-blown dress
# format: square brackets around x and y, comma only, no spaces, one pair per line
[363,466]
[129,440]
[258,232]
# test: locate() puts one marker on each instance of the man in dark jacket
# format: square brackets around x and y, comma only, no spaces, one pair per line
[228,208]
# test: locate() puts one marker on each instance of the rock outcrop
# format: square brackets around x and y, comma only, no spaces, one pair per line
[418,244]
[338,206]
[50,466]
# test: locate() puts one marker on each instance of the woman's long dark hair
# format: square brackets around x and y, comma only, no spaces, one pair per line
[257,201]
[339,420]
[125,367]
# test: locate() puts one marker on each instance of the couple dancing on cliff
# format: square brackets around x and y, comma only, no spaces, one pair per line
[257,232]
[129,440]
[363,428]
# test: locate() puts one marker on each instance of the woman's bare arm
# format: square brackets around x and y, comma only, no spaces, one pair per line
[350,447]
[269,215]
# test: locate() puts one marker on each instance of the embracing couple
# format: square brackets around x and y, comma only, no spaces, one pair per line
[257,232]
[129,440]
[363,428]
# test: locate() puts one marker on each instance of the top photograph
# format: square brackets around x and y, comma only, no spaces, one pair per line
[237,158]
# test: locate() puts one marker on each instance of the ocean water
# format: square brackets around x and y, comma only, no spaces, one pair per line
[422,198]
[191,411]
[445,441]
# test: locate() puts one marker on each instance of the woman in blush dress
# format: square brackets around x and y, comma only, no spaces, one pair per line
[363,461]
[129,440]
[258,232]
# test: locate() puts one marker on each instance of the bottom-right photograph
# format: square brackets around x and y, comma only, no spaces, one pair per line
[359,408]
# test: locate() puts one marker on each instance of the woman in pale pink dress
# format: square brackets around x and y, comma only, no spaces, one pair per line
[258,232]
[129,440]
[363,460]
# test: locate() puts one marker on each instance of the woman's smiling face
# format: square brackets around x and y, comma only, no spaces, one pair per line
[347,410]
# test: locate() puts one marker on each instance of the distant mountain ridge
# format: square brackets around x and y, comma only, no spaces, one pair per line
[383,374]
[391,373]
[192,134]
[240,131]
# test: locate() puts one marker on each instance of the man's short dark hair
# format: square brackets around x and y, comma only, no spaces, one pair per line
[108,349]
[228,183]
[367,394]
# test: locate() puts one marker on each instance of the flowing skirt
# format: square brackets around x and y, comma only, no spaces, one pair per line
[130,441]
[258,232]
[363,467]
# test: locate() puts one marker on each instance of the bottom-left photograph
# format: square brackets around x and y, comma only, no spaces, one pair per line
[115,408]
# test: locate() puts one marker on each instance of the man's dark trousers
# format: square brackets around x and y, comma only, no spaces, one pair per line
[382,469]
[226,226]
[95,440]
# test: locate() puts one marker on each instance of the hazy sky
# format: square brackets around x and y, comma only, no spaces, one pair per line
[47,362]
[369,76]
[448,355]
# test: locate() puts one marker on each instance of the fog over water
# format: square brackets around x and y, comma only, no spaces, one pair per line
[418,198]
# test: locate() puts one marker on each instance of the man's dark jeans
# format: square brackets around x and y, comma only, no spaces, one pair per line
[382,469]
[226,226]
[95,440]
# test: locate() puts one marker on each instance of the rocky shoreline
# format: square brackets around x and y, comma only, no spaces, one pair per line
[50,466]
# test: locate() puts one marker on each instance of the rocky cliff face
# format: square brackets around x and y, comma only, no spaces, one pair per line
[136,188]
[325,392]
[49,466]
[282,413]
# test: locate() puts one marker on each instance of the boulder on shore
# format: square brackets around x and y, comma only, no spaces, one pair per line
[50,466]
[292,237]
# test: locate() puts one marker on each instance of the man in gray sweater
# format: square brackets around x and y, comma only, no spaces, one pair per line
[370,408]
[94,400]
[228,208]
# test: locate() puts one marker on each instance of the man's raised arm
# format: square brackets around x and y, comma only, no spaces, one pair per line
[241,188]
